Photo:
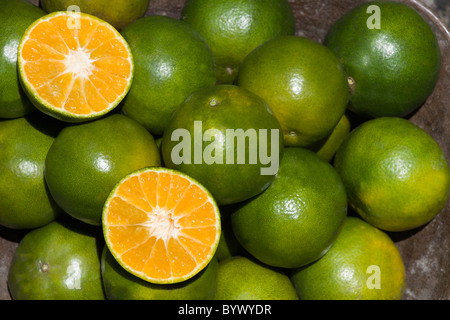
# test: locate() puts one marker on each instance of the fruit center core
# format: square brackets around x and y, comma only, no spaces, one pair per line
[162,225]
[79,63]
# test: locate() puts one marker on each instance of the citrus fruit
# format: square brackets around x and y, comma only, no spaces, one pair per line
[363,264]
[118,13]
[161,225]
[119,284]
[234,28]
[59,261]
[227,138]
[15,17]
[172,60]
[25,202]
[327,148]
[396,175]
[304,84]
[87,160]
[394,68]
[241,278]
[297,219]
[74,66]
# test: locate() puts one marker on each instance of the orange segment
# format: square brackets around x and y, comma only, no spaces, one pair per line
[105,85]
[75,67]
[161,225]
[117,66]
[37,51]
[89,27]
[180,266]
[46,33]
[76,101]
[42,72]
[158,265]
[102,35]
[111,48]
[149,182]
[67,31]
[56,90]
[200,217]
[94,97]
[163,189]
[196,248]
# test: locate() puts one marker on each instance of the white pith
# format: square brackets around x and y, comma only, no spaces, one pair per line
[162,225]
[79,63]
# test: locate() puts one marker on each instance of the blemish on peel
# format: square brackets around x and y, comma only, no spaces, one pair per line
[351,84]
[213,103]
[44,267]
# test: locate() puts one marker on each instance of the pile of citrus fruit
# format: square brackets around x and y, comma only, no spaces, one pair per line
[213,156]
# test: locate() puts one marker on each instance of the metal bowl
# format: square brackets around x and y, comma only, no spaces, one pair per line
[426,250]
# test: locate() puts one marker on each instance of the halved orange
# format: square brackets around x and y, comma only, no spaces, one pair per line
[161,225]
[74,66]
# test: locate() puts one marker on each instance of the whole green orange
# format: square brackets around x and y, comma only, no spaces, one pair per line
[87,160]
[233,28]
[24,198]
[119,284]
[241,278]
[393,65]
[119,13]
[228,139]
[363,264]
[396,175]
[171,61]
[298,217]
[304,84]
[15,17]
[59,261]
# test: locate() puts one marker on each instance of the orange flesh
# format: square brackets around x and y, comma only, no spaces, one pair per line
[80,70]
[161,225]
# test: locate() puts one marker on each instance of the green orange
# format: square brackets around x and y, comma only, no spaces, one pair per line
[171,61]
[396,175]
[24,198]
[87,160]
[394,66]
[233,28]
[298,217]
[241,278]
[119,284]
[59,261]
[119,13]
[15,17]
[363,264]
[304,84]
[228,139]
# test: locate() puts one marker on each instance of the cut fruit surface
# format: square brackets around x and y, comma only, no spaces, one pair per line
[161,225]
[74,66]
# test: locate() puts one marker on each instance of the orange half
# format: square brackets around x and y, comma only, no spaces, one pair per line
[161,225]
[74,66]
